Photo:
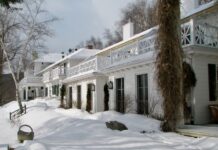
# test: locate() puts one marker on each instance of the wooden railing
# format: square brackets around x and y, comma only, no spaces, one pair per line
[15,114]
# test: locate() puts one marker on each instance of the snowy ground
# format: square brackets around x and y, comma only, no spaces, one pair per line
[59,129]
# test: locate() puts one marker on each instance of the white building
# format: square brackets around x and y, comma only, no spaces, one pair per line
[31,86]
[123,75]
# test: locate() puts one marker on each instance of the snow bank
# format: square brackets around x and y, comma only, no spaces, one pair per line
[58,129]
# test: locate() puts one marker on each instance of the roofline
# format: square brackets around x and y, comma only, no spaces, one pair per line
[63,59]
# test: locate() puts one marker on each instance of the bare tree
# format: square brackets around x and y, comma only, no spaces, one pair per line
[140,12]
[169,62]
[113,37]
[6,3]
[25,29]
[93,41]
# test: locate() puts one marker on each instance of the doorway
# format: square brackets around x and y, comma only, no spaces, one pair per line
[142,94]
[70,97]
[79,102]
[89,98]
[120,95]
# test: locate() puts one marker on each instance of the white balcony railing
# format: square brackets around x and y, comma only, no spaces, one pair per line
[90,65]
[192,34]
[31,80]
[46,76]
[135,49]
[58,73]
[199,34]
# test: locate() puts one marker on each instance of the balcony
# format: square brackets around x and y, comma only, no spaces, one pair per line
[192,34]
[46,77]
[31,80]
[196,34]
[58,73]
[88,66]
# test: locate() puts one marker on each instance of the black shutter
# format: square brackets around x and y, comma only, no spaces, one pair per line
[212,81]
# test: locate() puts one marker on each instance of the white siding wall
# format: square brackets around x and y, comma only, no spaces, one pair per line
[130,87]
[98,94]
[100,82]
[201,91]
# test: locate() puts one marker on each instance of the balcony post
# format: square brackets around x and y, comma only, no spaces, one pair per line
[192,28]
[96,61]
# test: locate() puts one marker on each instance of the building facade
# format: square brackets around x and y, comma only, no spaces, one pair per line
[122,77]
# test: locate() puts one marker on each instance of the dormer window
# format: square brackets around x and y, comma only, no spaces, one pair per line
[202,2]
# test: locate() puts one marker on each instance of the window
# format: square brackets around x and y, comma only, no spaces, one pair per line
[120,95]
[213,81]
[55,90]
[142,94]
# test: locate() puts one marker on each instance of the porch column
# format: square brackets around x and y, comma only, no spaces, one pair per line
[37,91]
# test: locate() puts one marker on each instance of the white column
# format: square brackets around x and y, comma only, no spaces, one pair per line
[37,92]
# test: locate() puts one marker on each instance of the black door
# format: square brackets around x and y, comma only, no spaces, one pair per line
[79,103]
[70,96]
[89,98]
[142,94]
[24,94]
[46,91]
[120,95]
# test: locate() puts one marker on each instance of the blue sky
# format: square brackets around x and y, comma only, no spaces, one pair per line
[80,19]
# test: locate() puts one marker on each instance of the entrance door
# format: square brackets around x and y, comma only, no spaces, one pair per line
[89,98]
[142,94]
[79,103]
[70,96]
[46,91]
[24,94]
[120,95]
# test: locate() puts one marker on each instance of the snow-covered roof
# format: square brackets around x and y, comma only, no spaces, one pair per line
[50,58]
[82,53]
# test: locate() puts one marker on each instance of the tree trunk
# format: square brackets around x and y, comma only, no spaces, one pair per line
[13,76]
[169,62]
[1,71]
